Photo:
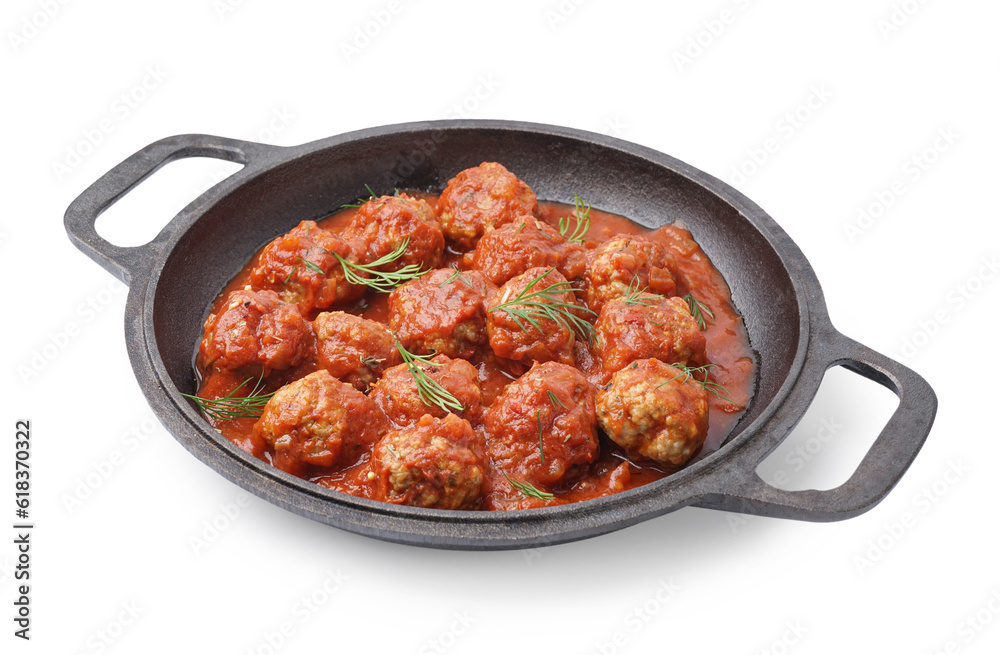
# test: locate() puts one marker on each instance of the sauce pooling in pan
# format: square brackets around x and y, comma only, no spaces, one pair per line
[476,350]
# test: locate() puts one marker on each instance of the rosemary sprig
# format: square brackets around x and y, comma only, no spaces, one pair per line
[698,310]
[687,372]
[637,296]
[555,400]
[231,406]
[361,201]
[528,306]
[430,390]
[581,212]
[384,281]
[527,489]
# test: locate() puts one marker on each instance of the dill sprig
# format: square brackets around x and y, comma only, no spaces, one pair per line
[312,266]
[687,372]
[361,201]
[698,310]
[581,212]
[231,406]
[527,489]
[555,400]
[430,390]
[384,281]
[457,275]
[531,305]
[637,296]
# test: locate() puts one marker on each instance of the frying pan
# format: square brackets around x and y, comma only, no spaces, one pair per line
[173,279]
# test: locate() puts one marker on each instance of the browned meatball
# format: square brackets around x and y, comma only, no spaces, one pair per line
[442,312]
[399,397]
[384,223]
[666,330]
[549,323]
[481,198]
[429,465]
[655,410]
[302,267]
[543,428]
[255,333]
[623,261]
[354,349]
[317,422]
[526,243]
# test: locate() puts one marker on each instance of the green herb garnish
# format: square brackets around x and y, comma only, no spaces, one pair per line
[687,372]
[361,201]
[231,406]
[637,296]
[384,281]
[555,400]
[527,489]
[698,310]
[581,212]
[430,390]
[528,306]
[312,266]
[457,275]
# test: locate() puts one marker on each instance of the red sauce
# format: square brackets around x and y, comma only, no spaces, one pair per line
[727,348]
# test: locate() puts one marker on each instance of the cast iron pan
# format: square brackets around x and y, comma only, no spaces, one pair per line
[174,277]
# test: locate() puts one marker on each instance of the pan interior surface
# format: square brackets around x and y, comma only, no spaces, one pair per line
[314,180]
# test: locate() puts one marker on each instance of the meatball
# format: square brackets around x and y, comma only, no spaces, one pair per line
[666,330]
[545,328]
[525,243]
[303,268]
[255,333]
[543,428]
[429,465]
[354,349]
[399,397]
[655,410]
[384,223]
[316,423]
[442,312]
[479,199]
[626,261]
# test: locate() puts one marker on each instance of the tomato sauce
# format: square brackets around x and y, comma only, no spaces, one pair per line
[727,349]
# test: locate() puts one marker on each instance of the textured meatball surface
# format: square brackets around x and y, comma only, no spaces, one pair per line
[302,267]
[399,397]
[624,261]
[316,422]
[543,337]
[543,428]
[481,198]
[354,349]
[666,330]
[430,465]
[655,410]
[383,224]
[442,312]
[255,333]
[526,243]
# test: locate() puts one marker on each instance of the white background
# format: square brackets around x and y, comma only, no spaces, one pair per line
[125,558]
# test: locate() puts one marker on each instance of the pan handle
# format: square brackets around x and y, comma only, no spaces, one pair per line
[883,465]
[81,216]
